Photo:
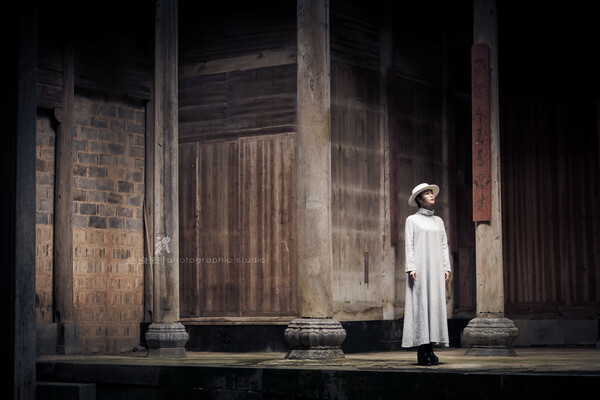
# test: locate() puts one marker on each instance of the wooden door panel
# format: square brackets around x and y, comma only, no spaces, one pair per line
[237,224]
[267,210]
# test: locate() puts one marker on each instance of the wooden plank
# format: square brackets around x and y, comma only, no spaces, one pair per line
[239,103]
[188,248]
[355,33]
[262,59]
[217,229]
[267,269]
[356,185]
[261,97]
[550,259]
[213,33]
[482,183]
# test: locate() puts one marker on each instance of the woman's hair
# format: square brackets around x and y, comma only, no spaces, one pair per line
[418,198]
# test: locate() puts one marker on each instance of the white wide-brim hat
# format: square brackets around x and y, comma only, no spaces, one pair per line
[421,187]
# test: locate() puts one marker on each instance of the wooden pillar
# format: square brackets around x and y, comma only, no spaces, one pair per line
[166,336]
[316,334]
[62,278]
[148,216]
[490,333]
[17,204]
[389,175]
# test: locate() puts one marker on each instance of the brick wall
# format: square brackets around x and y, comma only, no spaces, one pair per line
[108,192]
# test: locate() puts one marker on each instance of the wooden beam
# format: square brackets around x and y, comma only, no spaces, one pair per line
[63,198]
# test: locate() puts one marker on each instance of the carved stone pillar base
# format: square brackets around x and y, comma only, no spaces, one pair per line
[67,338]
[490,337]
[315,338]
[166,339]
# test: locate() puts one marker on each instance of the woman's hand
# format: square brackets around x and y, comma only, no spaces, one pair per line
[413,275]
[446,275]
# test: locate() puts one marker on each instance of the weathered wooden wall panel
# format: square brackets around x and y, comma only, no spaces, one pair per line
[268,228]
[238,227]
[362,268]
[551,206]
[261,98]
[238,103]
[356,165]
[218,230]
[237,83]
[417,122]
[50,76]
[237,69]
[355,27]
[188,224]
[220,31]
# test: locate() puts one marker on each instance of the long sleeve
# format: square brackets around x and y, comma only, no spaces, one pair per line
[445,252]
[409,239]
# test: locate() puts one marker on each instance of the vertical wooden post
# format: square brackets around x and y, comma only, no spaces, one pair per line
[313,160]
[62,283]
[490,333]
[17,210]
[166,336]
[389,172]
[148,215]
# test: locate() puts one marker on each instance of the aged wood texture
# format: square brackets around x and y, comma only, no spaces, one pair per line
[480,117]
[238,103]
[238,227]
[188,246]
[148,213]
[488,235]
[355,33]
[552,252]
[166,204]
[417,124]
[267,199]
[49,75]
[238,70]
[18,204]
[237,122]
[313,158]
[218,32]
[62,279]
[356,192]
[389,192]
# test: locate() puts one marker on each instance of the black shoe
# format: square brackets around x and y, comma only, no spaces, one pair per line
[423,356]
[434,359]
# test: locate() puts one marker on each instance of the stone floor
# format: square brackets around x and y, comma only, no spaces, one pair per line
[583,360]
[536,372]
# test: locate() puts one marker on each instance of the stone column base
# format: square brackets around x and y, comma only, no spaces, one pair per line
[315,338]
[166,339]
[67,338]
[490,337]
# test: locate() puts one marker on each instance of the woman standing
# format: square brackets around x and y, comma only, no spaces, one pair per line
[427,266]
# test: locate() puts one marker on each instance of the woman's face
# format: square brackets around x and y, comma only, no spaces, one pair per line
[427,199]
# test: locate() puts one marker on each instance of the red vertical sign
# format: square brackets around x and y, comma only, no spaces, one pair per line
[480,117]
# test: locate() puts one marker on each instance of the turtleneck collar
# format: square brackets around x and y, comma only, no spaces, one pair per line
[426,212]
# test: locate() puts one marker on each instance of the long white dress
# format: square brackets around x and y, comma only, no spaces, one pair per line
[425,318]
